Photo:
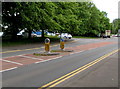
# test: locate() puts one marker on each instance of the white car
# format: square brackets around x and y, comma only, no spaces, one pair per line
[50,34]
[1,34]
[65,36]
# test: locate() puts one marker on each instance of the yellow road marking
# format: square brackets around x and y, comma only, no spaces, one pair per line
[10,51]
[69,75]
[78,71]
[29,49]
[66,75]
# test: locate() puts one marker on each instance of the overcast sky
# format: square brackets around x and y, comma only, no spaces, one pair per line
[109,6]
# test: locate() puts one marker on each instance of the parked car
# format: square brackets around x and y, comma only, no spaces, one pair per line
[22,34]
[36,34]
[65,36]
[1,34]
[116,35]
[51,34]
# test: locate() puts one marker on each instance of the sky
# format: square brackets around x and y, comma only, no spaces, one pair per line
[109,6]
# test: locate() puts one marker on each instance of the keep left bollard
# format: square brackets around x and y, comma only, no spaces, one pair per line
[47,45]
[47,50]
[62,44]
[62,47]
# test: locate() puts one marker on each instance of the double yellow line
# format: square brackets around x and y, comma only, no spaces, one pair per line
[30,48]
[71,74]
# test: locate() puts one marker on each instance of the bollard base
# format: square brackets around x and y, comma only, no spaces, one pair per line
[62,50]
[45,54]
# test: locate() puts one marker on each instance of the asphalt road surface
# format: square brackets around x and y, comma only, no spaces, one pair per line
[41,73]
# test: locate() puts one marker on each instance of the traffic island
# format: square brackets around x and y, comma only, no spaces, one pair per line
[46,54]
[47,50]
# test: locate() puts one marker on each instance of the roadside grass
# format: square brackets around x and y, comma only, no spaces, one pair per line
[85,37]
[25,41]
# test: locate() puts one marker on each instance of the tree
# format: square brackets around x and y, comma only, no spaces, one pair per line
[11,18]
[32,16]
[77,18]
[115,25]
[46,16]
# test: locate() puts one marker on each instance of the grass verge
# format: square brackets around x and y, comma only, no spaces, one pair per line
[25,41]
[85,37]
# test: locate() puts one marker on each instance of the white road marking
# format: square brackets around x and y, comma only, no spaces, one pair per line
[11,62]
[48,60]
[13,56]
[78,52]
[8,69]
[55,58]
[30,57]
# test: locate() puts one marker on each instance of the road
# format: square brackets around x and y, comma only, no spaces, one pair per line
[103,74]
[37,74]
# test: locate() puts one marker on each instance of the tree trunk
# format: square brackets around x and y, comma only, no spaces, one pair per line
[43,34]
[14,36]
[29,34]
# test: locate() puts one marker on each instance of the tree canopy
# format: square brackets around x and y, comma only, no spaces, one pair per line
[115,25]
[77,18]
